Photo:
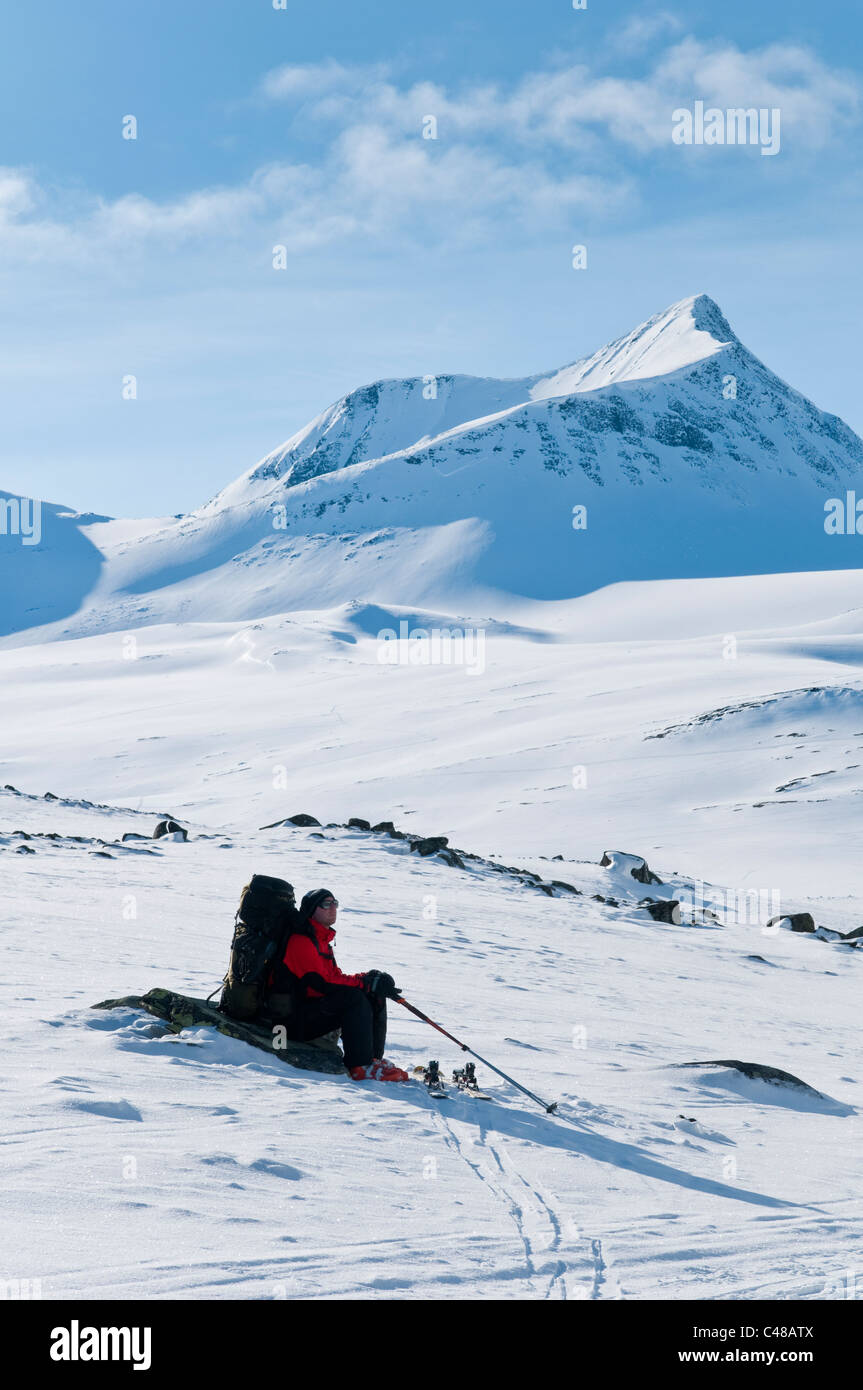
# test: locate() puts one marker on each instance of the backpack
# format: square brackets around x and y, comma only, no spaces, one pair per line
[266,917]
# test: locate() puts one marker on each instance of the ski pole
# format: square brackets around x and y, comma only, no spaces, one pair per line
[549,1109]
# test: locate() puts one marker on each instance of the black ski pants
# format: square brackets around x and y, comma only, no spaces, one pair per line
[363,1022]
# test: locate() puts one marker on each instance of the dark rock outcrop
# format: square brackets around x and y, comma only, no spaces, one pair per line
[301,819]
[451,857]
[430,845]
[439,848]
[665,910]
[783,1080]
[170,827]
[797,921]
[637,867]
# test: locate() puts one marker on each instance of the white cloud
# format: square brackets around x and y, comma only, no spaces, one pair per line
[380,172]
[817,103]
[642,29]
[546,151]
[17,194]
[300,81]
[571,105]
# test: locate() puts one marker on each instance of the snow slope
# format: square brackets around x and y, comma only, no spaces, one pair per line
[244,723]
[140,1165]
[192,1168]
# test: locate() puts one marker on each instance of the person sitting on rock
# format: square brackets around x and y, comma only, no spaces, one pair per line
[330,999]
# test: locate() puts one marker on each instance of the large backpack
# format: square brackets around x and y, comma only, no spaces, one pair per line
[266,918]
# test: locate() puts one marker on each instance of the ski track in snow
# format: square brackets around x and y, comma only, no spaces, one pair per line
[534,1219]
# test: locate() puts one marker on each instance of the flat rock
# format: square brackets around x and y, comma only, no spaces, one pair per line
[807,1097]
[183,1011]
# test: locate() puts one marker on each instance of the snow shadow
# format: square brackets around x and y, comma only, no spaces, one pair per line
[565,1133]
[47,581]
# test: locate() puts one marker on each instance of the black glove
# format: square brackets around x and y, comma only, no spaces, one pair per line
[379,985]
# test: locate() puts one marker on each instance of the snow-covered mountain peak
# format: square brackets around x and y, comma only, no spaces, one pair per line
[683,334]
[707,316]
[393,415]
[671,453]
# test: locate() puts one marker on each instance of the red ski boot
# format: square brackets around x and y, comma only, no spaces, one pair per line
[378,1071]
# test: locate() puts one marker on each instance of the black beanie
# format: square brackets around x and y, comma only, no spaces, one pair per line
[312,901]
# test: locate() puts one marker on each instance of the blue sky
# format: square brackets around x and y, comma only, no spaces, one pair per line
[303,127]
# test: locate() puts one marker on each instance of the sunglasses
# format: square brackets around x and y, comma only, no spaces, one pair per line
[329,902]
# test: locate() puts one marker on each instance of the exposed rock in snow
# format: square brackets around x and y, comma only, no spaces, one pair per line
[631,864]
[386,827]
[301,819]
[794,921]
[171,830]
[183,1011]
[758,1071]
[771,1078]
[430,845]
[664,910]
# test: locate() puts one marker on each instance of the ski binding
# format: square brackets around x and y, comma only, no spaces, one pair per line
[465,1080]
[432,1078]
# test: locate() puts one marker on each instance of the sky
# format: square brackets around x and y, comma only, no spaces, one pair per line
[427,170]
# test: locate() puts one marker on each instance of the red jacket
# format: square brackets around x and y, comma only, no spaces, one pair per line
[305,957]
